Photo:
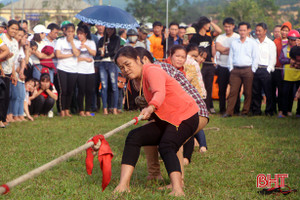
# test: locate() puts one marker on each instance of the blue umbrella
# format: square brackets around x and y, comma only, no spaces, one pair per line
[108,16]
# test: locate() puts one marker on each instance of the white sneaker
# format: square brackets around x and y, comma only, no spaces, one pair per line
[50,114]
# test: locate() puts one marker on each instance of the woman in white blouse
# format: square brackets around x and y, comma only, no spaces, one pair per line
[86,70]
[67,50]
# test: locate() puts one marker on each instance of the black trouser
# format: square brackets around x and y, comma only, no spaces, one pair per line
[57,86]
[67,83]
[2,99]
[188,149]
[5,101]
[208,72]
[277,82]
[40,105]
[85,83]
[261,80]
[223,80]
[168,138]
[288,96]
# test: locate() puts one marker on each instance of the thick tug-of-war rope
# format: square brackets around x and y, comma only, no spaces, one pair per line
[5,188]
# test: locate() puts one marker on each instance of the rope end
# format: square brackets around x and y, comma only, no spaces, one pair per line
[6,188]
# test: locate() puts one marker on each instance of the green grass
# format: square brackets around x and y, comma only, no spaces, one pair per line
[227,171]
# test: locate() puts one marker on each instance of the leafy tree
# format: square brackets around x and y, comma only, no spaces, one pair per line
[179,10]
[155,10]
[252,11]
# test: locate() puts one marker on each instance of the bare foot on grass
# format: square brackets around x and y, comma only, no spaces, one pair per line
[17,119]
[202,149]
[105,112]
[67,113]
[88,114]
[81,113]
[166,187]
[121,189]
[177,192]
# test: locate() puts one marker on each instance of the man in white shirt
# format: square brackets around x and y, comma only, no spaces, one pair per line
[52,36]
[242,63]
[223,43]
[262,76]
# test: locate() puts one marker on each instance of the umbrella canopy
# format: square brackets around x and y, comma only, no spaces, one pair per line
[108,16]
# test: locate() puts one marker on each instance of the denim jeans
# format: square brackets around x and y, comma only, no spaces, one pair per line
[37,72]
[200,137]
[120,100]
[16,105]
[109,74]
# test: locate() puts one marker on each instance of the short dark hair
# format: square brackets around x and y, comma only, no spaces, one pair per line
[24,21]
[202,21]
[22,29]
[53,26]
[294,52]
[202,50]
[67,26]
[173,23]
[277,26]
[45,77]
[192,47]
[33,43]
[177,47]
[244,23]
[85,29]
[128,52]
[263,25]
[157,23]
[182,27]
[144,52]
[228,20]
[121,31]
[12,22]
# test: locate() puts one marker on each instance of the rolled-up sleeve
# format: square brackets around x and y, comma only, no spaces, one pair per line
[157,85]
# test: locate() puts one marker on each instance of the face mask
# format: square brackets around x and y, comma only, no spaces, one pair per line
[132,39]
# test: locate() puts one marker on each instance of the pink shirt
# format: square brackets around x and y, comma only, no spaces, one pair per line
[172,103]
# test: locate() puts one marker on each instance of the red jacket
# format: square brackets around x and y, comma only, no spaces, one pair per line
[278,43]
[48,50]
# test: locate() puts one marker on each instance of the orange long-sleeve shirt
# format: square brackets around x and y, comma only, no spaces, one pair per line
[172,103]
[156,48]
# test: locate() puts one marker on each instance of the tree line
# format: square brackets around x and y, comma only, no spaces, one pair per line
[188,11]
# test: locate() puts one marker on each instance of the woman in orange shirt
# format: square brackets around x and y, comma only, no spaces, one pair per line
[175,114]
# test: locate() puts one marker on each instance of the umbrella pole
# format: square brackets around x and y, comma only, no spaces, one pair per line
[167,22]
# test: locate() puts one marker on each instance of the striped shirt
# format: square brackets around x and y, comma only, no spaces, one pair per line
[186,85]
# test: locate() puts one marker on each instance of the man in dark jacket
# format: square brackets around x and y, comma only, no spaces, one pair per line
[171,36]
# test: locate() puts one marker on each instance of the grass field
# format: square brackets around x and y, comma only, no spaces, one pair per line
[227,171]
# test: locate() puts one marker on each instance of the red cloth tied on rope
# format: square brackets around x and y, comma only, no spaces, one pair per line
[105,156]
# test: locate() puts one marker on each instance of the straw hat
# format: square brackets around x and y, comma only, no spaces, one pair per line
[190,30]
